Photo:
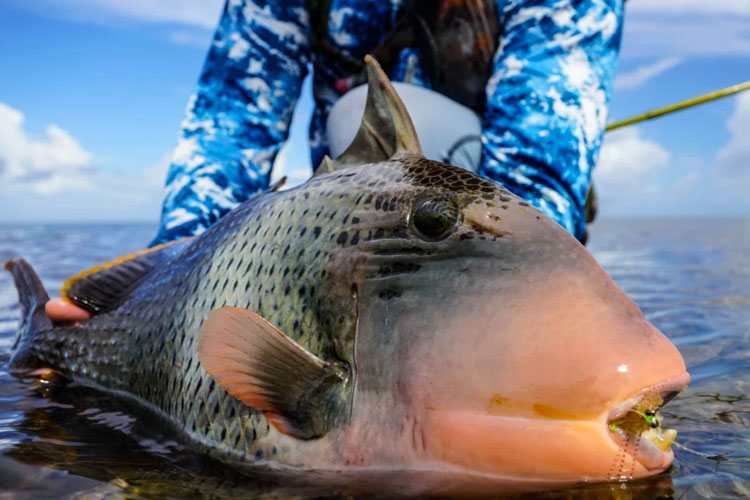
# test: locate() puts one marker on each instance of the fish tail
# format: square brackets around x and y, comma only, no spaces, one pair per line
[32,297]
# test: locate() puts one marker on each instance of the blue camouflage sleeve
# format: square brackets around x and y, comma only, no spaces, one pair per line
[239,116]
[547,101]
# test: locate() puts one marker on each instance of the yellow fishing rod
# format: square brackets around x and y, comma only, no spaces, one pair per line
[591,201]
[711,96]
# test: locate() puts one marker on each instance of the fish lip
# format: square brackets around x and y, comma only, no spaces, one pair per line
[667,389]
[646,452]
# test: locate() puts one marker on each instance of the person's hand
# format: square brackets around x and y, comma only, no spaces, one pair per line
[62,310]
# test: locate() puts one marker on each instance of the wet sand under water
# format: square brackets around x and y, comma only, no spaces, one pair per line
[690,277]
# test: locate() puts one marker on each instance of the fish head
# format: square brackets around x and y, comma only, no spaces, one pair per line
[489,343]
[490,340]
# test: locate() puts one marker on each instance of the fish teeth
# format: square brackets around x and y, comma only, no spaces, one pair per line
[663,439]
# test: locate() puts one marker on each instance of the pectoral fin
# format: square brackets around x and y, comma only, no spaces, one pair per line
[262,367]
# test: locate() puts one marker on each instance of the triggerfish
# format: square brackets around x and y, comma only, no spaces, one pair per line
[395,326]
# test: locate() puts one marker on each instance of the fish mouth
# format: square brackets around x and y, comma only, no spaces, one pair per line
[635,424]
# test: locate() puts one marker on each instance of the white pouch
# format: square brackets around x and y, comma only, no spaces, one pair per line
[448,131]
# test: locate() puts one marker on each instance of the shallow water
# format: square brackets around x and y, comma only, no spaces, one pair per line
[690,277]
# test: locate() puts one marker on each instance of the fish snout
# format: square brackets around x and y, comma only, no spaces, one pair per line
[531,387]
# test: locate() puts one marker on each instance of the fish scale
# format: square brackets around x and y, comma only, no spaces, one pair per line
[395,325]
[164,314]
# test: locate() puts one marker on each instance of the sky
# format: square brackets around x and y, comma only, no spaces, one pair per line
[92,93]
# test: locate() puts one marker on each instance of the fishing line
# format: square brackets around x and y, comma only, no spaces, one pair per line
[713,458]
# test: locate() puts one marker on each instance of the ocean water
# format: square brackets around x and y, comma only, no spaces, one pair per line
[690,277]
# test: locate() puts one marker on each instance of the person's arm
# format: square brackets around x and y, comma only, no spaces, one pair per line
[239,116]
[547,101]
[235,123]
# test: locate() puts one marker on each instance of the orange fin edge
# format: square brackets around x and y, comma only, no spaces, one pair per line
[119,260]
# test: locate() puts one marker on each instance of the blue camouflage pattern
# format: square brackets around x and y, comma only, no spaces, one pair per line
[546,101]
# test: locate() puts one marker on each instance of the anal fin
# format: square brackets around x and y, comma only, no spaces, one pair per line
[259,365]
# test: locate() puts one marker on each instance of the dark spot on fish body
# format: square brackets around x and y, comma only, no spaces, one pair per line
[342,238]
[300,271]
[389,294]
[398,268]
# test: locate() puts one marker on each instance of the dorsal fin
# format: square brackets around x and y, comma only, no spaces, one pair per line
[386,127]
[278,185]
[326,166]
[259,365]
[104,287]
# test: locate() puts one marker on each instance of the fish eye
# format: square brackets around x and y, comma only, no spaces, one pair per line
[435,218]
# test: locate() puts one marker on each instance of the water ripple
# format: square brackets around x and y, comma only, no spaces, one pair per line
[690,277]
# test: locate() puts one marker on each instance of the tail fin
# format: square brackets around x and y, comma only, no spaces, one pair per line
[32,297]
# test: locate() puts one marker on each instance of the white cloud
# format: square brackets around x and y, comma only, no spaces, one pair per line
[55,170]
[732,162]
[626,157]
[684,34]
[643,74]
[192,21]
[197,13]
[192,38]
[686,28]
[46,164]
[625,173]
[203,13]
[732,7]
[637,176]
